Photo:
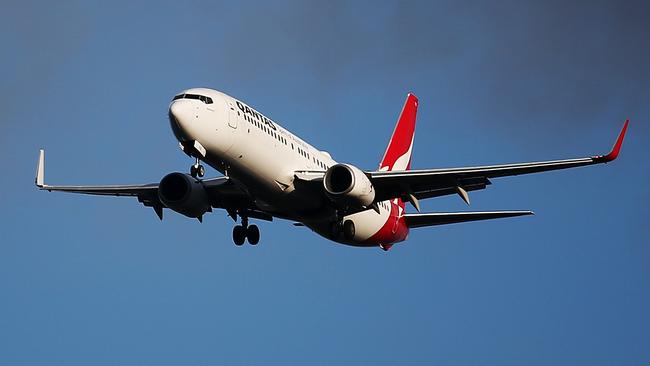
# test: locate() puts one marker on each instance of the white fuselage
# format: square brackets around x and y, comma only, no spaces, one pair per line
[262,158]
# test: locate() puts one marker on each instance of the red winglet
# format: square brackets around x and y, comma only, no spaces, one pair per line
[617,147]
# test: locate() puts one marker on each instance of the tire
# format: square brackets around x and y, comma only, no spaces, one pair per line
[348,229]
[193,171]
[253,234]
[238,235]
[200,171]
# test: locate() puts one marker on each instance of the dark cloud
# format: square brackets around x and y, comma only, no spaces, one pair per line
[556,62]
[508,63]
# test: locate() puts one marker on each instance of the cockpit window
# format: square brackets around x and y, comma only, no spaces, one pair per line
[203,98]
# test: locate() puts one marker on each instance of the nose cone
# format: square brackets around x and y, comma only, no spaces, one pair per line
[180,118]
[181,112]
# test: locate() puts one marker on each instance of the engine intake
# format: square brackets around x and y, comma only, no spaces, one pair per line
[348,185]
[183,194]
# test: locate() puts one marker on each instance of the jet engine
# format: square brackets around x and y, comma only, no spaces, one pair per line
[348,185]
[184,194]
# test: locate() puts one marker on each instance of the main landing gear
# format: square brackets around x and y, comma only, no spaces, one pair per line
[345,228]
[242,232]
[197,169]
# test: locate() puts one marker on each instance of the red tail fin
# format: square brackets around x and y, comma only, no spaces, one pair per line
[398,152]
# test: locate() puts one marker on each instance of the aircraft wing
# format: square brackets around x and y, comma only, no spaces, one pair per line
[412,185]
[221,191]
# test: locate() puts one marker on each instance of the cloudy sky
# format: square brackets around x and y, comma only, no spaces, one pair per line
[102,281]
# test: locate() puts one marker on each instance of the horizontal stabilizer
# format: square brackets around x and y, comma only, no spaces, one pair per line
[443,218]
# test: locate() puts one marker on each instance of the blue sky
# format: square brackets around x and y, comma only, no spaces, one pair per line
[102,281]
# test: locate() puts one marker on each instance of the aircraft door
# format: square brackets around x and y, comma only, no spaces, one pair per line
[233,115]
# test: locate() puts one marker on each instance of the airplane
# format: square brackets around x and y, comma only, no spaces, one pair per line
[269,172]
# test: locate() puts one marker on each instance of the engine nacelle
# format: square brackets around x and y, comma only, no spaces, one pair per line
[183,194]
[348,185]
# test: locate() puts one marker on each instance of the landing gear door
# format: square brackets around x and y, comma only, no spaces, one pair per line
[233,115]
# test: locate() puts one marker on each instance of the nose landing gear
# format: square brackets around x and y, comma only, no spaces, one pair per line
[242,232]
[197,169]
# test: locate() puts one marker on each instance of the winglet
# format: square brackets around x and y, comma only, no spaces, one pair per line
[616,148]
[40,170]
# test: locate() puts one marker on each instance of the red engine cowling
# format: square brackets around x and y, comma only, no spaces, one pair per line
[183,194]
[348,185]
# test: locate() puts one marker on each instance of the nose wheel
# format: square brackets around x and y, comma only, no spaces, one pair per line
[242,232]
[239,235]
[197,170]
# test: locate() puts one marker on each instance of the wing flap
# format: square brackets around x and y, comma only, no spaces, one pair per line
[444,218]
